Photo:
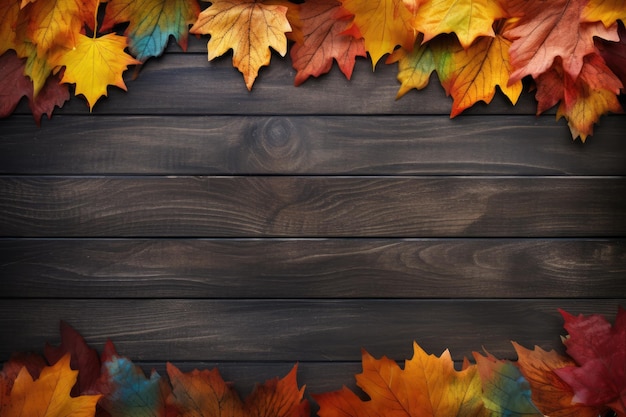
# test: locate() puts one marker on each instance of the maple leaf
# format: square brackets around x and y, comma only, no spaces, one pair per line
[95,63]
[152,22]
[428,386]
[552,396]
[383,24]
[599,349]
[614,54]
[249,28]
[546,30]
[13,84]
[505,391]
[125,389]
[478,70]
[415,67]
[49,395]
[204,392]
[53,22]
[83,358]
[606,11]
[468,19]
[9,12]
[323,40]
[53,94]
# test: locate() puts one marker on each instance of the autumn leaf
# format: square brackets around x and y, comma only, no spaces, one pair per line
[53,22]
[552,396]
[428,386]
[95,63]
[415,67]
[546,30]
[614,54]
[152,22]
[383,24]
[599,349]
[126,390]
[53,94]
[204,393]
[323,41]
[9,12]
[13,84]
[83,358]
[606,11]
[505,391]
[49,395]
[249,28]
[478,70]
[468,19]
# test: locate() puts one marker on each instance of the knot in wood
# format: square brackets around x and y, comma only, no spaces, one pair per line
[276,145]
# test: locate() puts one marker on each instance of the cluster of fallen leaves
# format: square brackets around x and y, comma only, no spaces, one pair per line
[72,380]
[573,51]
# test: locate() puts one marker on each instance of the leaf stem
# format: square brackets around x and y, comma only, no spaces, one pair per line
[95,19]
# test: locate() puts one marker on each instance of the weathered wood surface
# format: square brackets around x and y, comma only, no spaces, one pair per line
[312,268]
[293,330]
[308,145]
[312,206]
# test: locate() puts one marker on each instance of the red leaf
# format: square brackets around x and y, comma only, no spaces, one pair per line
[600,351]
[53,94]
[614,54]
[84,359]
[324,39]
[13,84]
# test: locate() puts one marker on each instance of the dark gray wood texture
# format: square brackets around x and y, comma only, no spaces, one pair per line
[192,221]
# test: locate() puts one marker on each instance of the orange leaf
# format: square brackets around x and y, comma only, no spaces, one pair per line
[383,24]
[49,395]
[205,393]
[249,28]
[323,40]
[9,11]
[468,19]
[550,394]
[53,22]
[94,64]
[478,70]
[429,386]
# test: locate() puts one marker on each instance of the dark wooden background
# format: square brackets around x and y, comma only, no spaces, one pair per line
[191,221]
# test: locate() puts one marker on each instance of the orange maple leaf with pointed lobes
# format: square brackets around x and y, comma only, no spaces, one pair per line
[383,24]
[206,393]
[53,22]
[543,31]
[551,395]
[606,11]
[323,41]
[94,64]
[478,70]
[468,19]
[428,386]
[49,395]
[249,28]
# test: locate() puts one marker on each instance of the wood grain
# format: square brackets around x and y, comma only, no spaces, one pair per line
[312,206]
[312,268]
[308,145]
[292,330]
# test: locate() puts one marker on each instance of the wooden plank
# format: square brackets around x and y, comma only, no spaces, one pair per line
[319,145]
[292,330]
[312,268]
[312,207]
[186,84]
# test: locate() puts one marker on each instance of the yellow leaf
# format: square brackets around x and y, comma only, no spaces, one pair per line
[606,11]
[49,395]
[383,24]
[479,70]
[468,19]
[94,64]
[249,28]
